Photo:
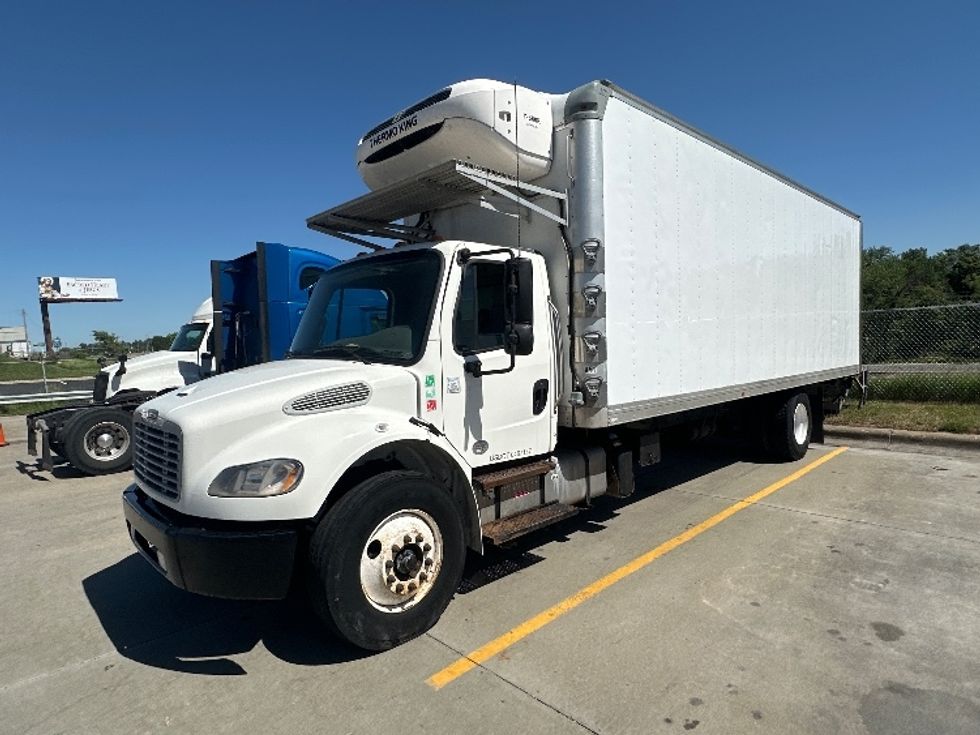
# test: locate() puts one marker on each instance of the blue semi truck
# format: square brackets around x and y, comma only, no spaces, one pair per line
[254,309]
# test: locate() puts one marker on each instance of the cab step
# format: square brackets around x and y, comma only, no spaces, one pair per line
[490,480]
[508,529]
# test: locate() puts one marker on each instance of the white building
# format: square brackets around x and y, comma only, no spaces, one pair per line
[13,342]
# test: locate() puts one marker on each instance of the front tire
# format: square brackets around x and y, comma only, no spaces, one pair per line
[98,441]
[386,560]
[789,432]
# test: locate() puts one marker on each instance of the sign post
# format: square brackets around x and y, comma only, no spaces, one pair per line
[46,326]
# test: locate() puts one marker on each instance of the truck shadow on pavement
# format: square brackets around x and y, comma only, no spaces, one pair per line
[151,622]
[61,471]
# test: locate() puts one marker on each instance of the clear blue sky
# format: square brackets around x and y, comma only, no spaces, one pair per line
[140,140]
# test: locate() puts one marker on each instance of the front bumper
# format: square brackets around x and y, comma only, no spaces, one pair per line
[233,560]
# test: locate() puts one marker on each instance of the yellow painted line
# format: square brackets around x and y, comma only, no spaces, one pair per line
[491,649]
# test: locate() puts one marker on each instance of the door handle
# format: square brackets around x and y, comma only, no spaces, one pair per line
[539,396]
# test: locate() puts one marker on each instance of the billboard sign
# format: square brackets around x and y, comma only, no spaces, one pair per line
[61,289]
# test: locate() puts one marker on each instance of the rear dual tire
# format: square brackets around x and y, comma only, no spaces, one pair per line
[788,433]
[98,441]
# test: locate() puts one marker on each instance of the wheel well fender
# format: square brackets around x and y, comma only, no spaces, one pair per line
[129,400]
[418,456]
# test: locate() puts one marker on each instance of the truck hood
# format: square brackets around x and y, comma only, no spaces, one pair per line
[323,413]
[155,371]
[264,390]
[151,360]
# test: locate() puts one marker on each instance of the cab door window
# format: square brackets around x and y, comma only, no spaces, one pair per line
[480,319]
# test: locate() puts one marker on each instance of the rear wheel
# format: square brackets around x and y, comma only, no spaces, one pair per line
[386,560]
[789,432]
[99,440]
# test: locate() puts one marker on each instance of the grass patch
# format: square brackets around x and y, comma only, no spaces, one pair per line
[958,418]
[22,409]
[926,387]
[71,368]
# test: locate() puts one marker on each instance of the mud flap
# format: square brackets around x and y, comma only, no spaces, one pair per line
[31,437]
[45,462]
[619,471]
[816,407]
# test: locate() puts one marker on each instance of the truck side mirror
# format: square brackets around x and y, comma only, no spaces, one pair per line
[519,282]
[207,364]
[472,365]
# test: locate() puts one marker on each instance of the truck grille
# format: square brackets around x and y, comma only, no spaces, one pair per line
[156,457]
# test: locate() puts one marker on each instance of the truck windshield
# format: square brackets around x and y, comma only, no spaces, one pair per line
[371,310]
[189,337]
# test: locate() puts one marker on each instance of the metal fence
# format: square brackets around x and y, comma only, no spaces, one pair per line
[929,353]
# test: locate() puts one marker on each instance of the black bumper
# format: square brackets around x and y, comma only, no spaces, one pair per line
[235,561]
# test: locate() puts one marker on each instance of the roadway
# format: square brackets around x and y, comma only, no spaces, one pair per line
[26,387]
[844,598]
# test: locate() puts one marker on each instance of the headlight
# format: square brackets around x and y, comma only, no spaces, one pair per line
[257,480]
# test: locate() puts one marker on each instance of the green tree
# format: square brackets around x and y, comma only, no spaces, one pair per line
[162,341]
[882,278]
[106,342]
[925,283]
[915,278]
[961,267]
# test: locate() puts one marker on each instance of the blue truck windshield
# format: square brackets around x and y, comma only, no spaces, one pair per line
[189,337]
[371,310]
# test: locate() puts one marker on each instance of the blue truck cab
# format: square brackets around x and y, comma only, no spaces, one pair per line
[258,300]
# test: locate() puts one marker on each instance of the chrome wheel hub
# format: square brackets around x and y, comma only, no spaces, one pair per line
[106,441]
[400,561]
[801,423]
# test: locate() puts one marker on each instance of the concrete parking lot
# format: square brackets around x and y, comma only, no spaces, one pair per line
[844,601]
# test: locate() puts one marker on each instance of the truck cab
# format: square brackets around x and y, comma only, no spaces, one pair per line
[185,362]
[424,364]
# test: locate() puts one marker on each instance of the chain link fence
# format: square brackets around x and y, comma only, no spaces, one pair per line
[929,353]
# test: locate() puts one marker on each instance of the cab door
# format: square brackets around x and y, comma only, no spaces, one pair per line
[499,416]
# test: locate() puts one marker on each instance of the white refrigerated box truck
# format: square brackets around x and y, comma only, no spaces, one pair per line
[572,275]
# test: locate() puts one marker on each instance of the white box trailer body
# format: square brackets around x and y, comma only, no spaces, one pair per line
[722,278]
[714,277]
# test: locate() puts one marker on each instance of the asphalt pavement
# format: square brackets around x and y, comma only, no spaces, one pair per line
[845,600]
[26,387]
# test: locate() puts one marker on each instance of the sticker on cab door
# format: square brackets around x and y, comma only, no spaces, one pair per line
[430,392]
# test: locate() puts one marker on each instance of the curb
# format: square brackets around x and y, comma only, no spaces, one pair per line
[926,442]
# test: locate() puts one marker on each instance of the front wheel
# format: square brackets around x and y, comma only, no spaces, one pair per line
[99,440]
[386,560]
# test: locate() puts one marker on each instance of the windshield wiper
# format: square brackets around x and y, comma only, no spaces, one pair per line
[354,350]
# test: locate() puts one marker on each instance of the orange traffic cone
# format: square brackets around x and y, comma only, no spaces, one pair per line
[3,439]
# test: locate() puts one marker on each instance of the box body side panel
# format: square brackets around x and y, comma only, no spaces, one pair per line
[718,274]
